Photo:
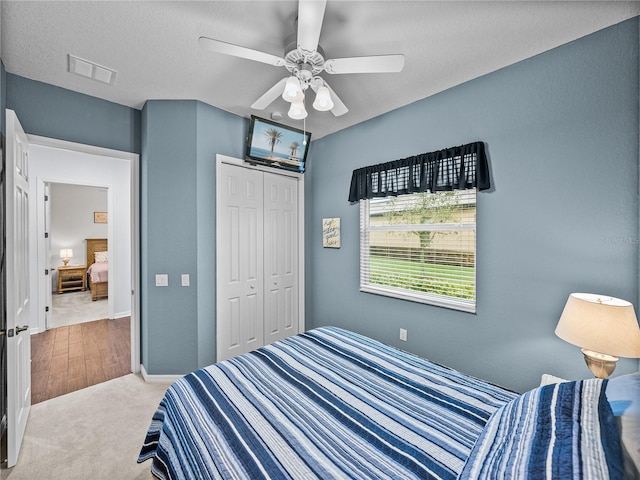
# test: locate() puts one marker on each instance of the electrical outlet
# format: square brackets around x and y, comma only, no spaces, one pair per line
[162,280]
[185,279]
[403,334]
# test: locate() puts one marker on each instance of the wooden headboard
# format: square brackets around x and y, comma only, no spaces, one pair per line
[95,245]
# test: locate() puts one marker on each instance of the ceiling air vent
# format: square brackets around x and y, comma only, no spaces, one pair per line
[91,70]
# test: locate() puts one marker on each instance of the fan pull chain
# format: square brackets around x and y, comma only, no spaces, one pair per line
[304,139]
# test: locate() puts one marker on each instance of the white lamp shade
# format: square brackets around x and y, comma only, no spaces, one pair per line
[323,100]
[66,253]
[602,324]
[292,90]
[297,111]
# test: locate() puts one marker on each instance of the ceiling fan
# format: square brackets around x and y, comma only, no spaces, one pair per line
[305,60]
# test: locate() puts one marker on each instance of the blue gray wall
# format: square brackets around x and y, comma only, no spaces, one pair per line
[179,143]
[562,135]
[55,112]
[168,243]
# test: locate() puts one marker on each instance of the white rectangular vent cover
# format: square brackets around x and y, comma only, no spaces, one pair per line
[91,70]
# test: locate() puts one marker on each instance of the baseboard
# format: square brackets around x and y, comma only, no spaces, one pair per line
[158,378]
[121,315]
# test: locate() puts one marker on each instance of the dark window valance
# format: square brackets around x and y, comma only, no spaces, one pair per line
[456,168]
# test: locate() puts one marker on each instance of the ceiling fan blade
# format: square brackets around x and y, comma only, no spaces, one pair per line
[339,108]
[267,99]
[310,17]
[372,64]
[242,52]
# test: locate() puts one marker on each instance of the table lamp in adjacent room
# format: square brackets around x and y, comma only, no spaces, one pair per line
[604,327]
[66,254]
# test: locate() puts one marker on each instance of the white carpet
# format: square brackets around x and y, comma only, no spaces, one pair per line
[76,307]
[95,433]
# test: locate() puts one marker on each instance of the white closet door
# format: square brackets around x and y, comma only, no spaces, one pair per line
[239,261]
[280,257]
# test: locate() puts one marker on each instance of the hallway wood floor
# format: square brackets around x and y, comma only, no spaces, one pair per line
[66,359]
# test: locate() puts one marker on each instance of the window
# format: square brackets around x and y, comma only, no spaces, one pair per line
[418,225]
[420,247]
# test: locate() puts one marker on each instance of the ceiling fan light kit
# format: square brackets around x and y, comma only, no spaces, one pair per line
[305,60]
[293,90]
[323,100]
[294,93]
[297,110]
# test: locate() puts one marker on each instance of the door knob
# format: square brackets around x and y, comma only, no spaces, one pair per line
[252,287]
[21,329]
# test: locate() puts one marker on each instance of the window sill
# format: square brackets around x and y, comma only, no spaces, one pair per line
[428,299]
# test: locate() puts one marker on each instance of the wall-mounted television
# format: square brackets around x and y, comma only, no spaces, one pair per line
[276,145]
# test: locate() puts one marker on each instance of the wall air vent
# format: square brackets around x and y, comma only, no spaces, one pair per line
[91,70]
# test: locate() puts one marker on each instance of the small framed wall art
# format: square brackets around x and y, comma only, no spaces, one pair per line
[99,217]
[331,232]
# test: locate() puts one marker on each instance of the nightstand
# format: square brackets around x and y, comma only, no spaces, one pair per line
[71,278]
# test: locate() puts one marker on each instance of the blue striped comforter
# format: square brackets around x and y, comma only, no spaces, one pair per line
[325,404]
[559,431]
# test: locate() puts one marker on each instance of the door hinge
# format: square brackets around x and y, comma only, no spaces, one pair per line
[46,271]
[46,234]
[46,309]
[46,198]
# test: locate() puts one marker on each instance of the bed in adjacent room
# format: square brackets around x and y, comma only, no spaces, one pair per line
[98,267]
[331,403]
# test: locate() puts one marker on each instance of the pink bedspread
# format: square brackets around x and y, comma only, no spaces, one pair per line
[99,272]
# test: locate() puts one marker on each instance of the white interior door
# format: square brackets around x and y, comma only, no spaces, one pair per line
[48,301]
[45,285]
[239,261]
[18,300]
[281,257]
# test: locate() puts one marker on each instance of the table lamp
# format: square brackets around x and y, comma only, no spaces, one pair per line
[604,327]
[65,255]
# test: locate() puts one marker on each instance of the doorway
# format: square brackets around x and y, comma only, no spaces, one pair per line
[73,214]
[80,346]
[115,173]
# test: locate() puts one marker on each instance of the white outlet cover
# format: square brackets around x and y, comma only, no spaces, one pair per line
[185,279]
[403,334]
[162,280]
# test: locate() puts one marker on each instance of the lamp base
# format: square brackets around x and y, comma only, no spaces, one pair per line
[65,261]
[600,364]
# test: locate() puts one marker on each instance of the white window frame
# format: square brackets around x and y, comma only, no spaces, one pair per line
[406,294]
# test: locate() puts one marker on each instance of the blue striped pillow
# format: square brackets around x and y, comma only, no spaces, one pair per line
[565,430]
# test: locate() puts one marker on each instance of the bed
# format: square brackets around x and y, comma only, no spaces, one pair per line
[98,267]
[331,403]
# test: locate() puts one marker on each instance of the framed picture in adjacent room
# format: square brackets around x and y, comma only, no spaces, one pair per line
[99,217]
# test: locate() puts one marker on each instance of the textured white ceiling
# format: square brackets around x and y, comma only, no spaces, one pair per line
[154,47]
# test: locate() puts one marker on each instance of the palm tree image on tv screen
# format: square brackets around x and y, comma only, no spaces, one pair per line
[277,146]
